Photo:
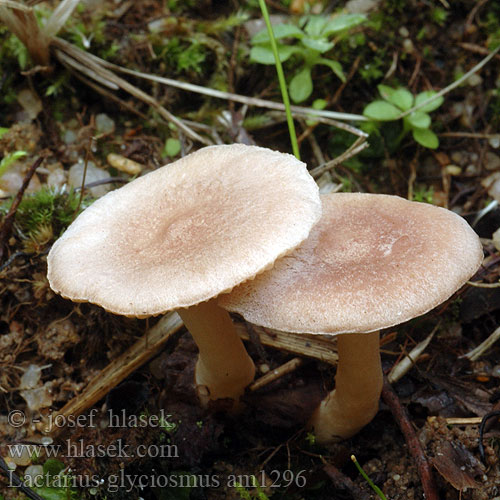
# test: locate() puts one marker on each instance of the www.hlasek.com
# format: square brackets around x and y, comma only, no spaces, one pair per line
[81,449]
[128,482]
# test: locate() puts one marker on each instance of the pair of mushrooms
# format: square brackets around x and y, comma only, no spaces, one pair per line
[186,235]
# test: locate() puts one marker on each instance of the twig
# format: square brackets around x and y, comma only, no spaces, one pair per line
[472,13]
[492,414]
[11,259]
[401,416]
[342,482]
[101,182]
[9,218]
[279,372]
[469,135]
[452,86]
[472,47]
[358,145]
[16,482]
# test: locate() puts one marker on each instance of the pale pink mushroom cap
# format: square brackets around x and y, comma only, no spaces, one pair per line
[373,261]
[187,231]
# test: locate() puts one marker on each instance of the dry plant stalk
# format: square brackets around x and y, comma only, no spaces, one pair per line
[275,374]
[39,40]
[141,352]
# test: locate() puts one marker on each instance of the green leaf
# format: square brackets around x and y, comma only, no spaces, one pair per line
[423,96]
[385,91]
[321,45]
[172,147]
[52,467]
[319,104]
[335,66]
[280,31]
[417,119]
[402,98]
[50,493]
[315,25]
[381,111]
[301,86]
[3,131]
[426,137]
[8,160]
[263,54]
[342,22]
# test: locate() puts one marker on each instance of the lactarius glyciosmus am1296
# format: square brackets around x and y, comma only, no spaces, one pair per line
[181,235]
[372,262]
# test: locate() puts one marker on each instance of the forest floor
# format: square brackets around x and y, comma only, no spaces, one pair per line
[53,350]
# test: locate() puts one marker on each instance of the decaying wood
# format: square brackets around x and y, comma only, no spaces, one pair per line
[311,346]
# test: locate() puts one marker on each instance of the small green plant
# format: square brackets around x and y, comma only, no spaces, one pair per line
[183,56]
[172,147]
[57,483]
[311,438]
[8,160]
[395,102]
[313,39]
[439,15]
[169,427]
[258,494]
[373,486]
[423,194]
[12,47]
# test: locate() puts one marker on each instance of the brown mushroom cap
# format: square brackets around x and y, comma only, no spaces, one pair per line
[186,232]
[373,261]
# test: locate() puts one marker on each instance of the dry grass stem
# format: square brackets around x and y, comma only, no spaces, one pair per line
[79,59]
[476,353]
[399,370]
[353,150]
[250,101]
[463,420]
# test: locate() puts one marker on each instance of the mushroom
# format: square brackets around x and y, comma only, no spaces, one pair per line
[181,235]
[373,261]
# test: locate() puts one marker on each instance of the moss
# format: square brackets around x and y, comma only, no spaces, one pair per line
[48,209]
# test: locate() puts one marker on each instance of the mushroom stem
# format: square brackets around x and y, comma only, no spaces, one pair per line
[358,384]
[224,365]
